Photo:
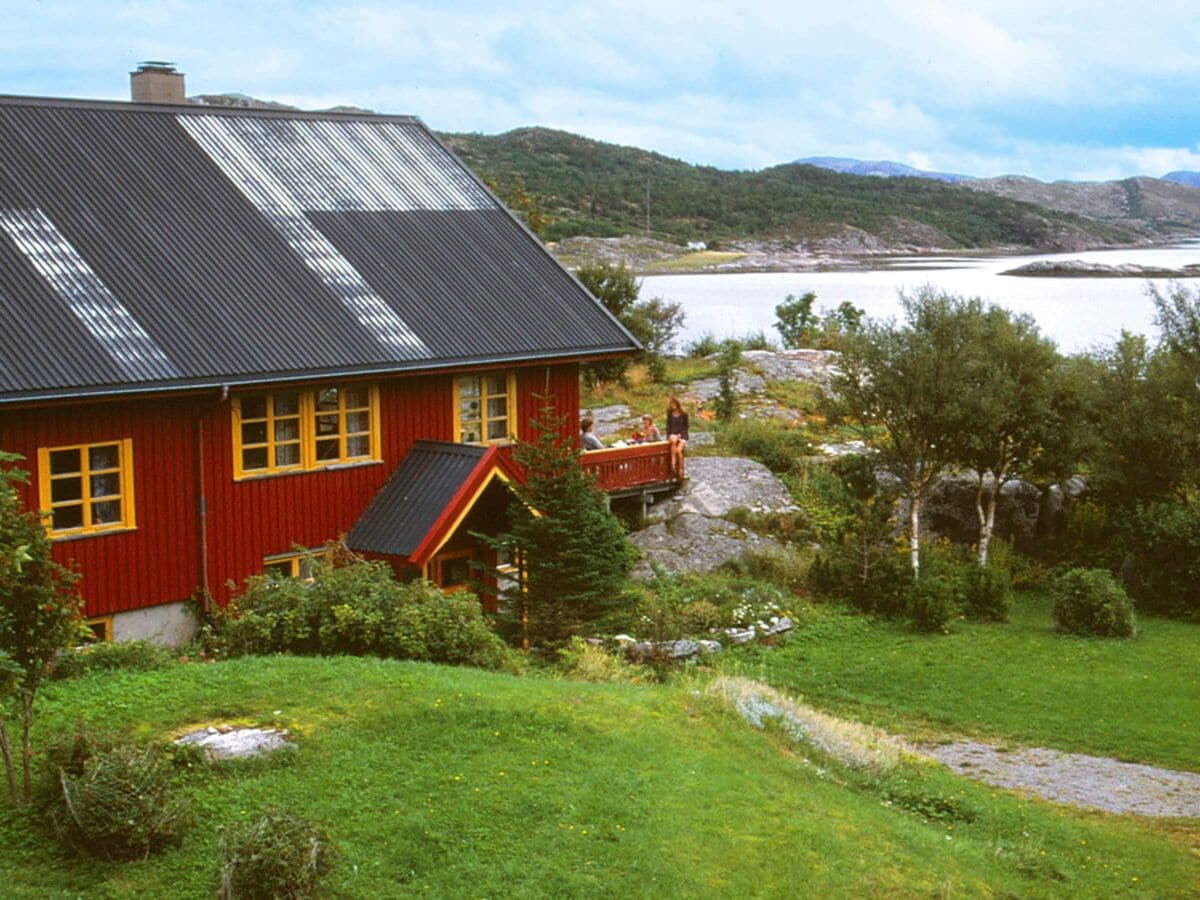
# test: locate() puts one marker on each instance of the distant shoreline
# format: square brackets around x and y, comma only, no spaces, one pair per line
[648,257]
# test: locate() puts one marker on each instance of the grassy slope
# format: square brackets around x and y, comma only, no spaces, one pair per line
[462,783]
[1137,700]
[599,189]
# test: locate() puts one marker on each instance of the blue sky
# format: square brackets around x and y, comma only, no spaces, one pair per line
[1055,90]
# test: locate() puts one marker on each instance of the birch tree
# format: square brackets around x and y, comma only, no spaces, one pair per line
[906,385]
[1019,408]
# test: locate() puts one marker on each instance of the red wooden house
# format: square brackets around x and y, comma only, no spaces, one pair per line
[229,334]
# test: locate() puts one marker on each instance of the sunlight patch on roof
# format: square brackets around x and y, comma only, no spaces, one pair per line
[72,279]
[288,168]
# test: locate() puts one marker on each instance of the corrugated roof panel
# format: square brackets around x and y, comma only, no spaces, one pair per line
[102,314]
[408,505]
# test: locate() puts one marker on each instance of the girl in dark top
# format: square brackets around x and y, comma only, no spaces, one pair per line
[677,435]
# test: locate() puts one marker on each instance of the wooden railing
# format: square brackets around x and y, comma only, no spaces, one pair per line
[620,468]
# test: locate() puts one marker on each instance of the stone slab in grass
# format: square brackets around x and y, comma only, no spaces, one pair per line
[236,742]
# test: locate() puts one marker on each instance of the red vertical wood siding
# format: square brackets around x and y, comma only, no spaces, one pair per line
[158,562]
[561,385]
[246,520]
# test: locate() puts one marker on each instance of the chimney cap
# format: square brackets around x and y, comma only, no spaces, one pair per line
[155,65]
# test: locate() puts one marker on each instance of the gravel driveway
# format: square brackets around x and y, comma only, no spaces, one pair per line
[1090,782]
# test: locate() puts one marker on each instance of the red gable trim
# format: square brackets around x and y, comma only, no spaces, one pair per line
[495,463]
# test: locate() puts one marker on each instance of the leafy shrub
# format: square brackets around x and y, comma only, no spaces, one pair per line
[989,594]
[871,574]
[756,340]
[109,656]
[269,616]
[788,568]
[699,617]
[1091,602]
[358,608]
[276,855]
[705,345]
[121,804]
[446,628]
[1163,564]
[590,662]
[934,602]
[777,447]
[675,605]
[726,403]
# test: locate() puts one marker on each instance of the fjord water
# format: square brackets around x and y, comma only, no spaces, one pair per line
[1078,313]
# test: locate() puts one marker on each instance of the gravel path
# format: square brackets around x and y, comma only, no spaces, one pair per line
[1091,782]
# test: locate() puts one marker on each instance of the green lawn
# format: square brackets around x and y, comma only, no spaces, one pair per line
[1137,700]
[455,782]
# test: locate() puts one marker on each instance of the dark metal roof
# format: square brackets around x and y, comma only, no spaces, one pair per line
[420,489]
[147,247]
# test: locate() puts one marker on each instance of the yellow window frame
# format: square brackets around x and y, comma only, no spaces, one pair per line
[101,627]
[124,496]
[484,420]
[308,416]
[295,560]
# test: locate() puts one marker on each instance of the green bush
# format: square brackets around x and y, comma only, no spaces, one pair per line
[989,594]
[777,447]
[1091,602]
[699,617]
[1162,568]
[276,855]
[705,345]
[358,609]
[269,616]
[120,804]
[109,656]
[589,662]
[934,602]
[445,628]
[786,567]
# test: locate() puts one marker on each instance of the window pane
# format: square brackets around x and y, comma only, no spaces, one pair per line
[64,489]
[62,461]
[105,457]
[106,512]
[468,387]
[359,421]
[287,430]
[304,568]
[68,517]
[106,485]
[287,404]
[358,445]
[327,449]
[254,432]
[327,399]
[470,433]
[497,384]
[497,430]
[355,397]
[497,407]
[281,570]
[255,458]
[469,409]
[327,424]
[287,455]
[254,407]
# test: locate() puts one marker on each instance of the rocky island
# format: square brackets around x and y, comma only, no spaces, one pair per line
[1077,268]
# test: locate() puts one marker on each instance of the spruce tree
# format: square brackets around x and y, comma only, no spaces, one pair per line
[575,556]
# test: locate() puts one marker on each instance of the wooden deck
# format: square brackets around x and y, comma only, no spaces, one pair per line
[630,471]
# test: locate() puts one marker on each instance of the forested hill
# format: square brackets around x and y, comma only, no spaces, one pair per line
[592,188]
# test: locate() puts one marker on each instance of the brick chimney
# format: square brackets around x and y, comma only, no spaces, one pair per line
[156,82]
